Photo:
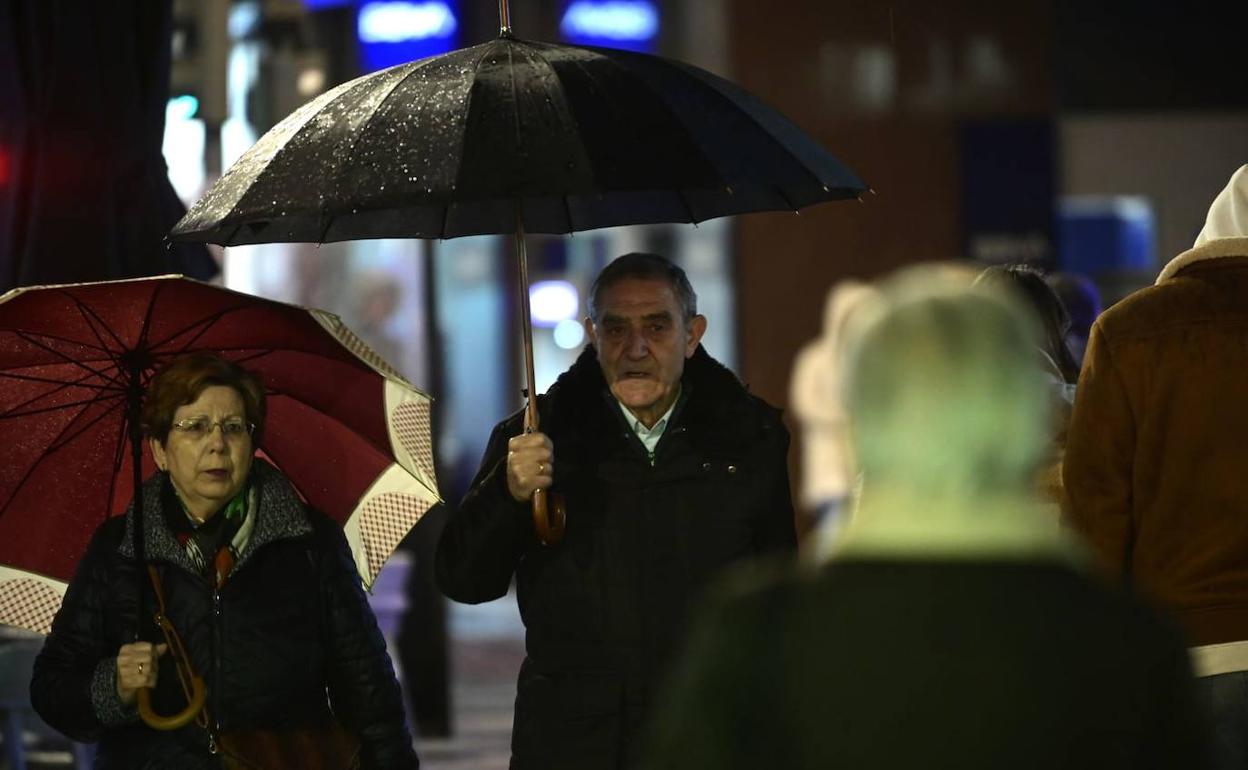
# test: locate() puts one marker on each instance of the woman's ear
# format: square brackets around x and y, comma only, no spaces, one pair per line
[158,454]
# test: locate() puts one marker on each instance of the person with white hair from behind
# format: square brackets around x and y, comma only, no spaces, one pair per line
[953,626]
[829,475]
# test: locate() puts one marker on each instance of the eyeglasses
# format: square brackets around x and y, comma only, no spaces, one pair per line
[201,427]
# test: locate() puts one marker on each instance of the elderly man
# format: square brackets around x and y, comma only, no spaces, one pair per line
[670,470]
[1157,453]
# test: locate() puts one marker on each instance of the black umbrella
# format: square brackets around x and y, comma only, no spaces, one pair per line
[513,136]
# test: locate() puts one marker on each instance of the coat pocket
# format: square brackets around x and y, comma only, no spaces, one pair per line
[723,520]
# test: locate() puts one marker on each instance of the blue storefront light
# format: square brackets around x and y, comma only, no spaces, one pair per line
[397,31]
[628,24]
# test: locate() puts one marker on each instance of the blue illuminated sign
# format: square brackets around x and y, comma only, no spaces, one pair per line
[397,31]
[629,24]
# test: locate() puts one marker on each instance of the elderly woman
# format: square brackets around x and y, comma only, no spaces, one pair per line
[262,591]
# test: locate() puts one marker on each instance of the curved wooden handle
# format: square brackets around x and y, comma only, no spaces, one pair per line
[199,692]
[549,516]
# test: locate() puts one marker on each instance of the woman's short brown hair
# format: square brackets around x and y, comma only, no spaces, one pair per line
[182,381]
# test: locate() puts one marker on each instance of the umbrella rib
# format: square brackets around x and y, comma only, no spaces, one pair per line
[684,201]
[46,394]
[590,76]
[511,70]
[65,358]
[58,338]
[62,383]
[359,133]
[787,201]
[64,440]
[146,328]
[31,470]
[735,105]
[118,457]
[446,207]
[10,414]
[206,323]
[279,152]
[88,314]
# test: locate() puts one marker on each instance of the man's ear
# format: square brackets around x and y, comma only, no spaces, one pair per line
[158,454]
[588,323]
[697,327]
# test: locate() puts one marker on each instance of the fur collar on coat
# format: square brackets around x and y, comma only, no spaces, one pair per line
[1226,228]
[713,401]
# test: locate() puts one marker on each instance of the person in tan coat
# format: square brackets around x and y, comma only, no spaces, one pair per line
[1156,469]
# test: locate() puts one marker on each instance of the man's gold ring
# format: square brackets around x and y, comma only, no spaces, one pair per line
[541,468]
[140,668]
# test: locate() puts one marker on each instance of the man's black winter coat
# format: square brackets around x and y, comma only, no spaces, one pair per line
[605,607]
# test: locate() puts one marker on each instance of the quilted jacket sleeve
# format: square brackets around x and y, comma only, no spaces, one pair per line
[362,685]
[484,539]
[74,682]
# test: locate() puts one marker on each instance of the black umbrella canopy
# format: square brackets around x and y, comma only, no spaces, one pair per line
[513,133]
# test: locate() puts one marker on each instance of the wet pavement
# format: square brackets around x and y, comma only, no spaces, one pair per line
[482,691]
[486,649]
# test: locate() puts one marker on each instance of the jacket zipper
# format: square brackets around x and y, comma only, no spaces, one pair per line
[216,667]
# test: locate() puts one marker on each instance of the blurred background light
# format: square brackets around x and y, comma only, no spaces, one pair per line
[182,107]
[244,20]
[569,334]
[395,22]
[553,301]
[311,82]
[182,145]
[629,24]
[398,31]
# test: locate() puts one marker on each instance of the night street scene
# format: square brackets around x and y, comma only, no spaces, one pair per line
[623,385]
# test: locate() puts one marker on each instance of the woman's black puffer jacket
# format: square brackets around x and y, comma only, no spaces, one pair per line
[286,640]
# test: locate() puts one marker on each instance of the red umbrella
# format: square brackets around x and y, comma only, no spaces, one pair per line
[349,432]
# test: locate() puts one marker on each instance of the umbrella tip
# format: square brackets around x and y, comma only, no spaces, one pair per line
[504,20]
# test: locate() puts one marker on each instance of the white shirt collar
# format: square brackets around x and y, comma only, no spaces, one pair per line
[649,436]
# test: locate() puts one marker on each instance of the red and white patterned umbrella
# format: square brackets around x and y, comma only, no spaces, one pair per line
[349,432]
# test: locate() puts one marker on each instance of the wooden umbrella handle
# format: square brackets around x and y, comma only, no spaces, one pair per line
[199,691]
[549,516]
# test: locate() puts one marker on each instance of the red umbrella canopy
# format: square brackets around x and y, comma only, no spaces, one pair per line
[345,428]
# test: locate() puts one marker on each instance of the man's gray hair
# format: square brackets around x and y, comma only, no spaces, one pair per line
[646,267]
